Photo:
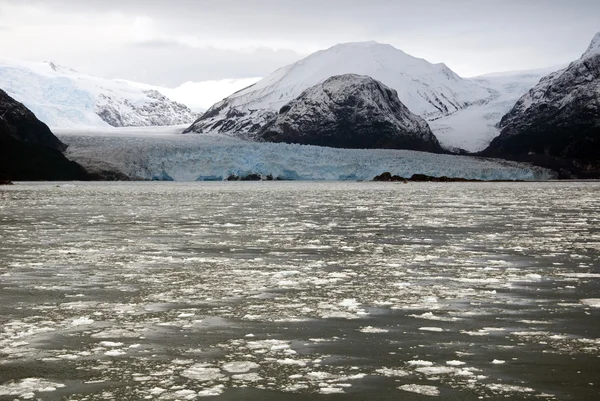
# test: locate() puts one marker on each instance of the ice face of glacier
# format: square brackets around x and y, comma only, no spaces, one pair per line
[558,120]
[160,153]
[428,90]
[350,111]
[62,98]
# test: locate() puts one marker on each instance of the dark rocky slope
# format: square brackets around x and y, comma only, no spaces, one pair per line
[350,111]
[557,124]
[28,149]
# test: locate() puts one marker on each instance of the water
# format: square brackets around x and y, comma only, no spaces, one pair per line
[300,291]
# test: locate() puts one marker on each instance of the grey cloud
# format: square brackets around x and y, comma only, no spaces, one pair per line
[471,36]
[169,64]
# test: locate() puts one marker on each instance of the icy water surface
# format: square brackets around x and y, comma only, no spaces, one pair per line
[300,291]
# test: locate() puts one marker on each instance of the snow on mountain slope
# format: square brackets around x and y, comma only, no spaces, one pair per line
[558,120]
[159,153]
[428,90]
[473,128]
[62,97]
[594,47]
[350,111]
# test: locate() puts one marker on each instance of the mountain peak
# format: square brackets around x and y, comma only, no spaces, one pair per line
[350,111]
[371,45]
[594,48]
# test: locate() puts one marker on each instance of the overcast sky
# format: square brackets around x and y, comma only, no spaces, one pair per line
[168,42]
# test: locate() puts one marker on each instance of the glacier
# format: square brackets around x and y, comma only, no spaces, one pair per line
[474,127]
[62,97]
[160,153]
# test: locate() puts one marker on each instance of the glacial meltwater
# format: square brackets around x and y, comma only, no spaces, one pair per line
[300,291]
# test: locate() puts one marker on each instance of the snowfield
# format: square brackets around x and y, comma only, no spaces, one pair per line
[62,98]
[474,127]
[161,153]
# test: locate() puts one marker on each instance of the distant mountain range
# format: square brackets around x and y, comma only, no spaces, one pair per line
[462,113]
[64,98]
[547,116]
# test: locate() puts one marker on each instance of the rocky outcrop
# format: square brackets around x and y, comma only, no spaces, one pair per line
[28,149]
[388,177]
[350,111]
[557,124]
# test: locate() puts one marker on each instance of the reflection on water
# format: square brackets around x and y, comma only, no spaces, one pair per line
[286,290]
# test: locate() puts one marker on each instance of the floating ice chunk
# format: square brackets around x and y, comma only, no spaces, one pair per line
[110,344]
[498,362]
[203,372]
[534,321]
[248,377]
[530,333]
[388,372]
[82,321]
[350,303]
[420,363]
[370,329]
[593,302]
[116,352]
[507,388]
[455,363]
[434,329]
[273,345]
[185,394]
[331,390]
[436,370]
[476,333]
[239,367]
[431,391]
[157,391]
[184,315]
[289,361]
[318,375]
[431,316]
[27,388]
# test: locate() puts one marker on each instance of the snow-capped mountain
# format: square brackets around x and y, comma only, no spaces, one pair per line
[350,111]
[62,97]
[474,127]
[559,118]
[428,90]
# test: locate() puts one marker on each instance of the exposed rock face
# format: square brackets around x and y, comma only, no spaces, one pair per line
[557,124]
[28,149]
[350,111]
[18,123]
[428,90]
